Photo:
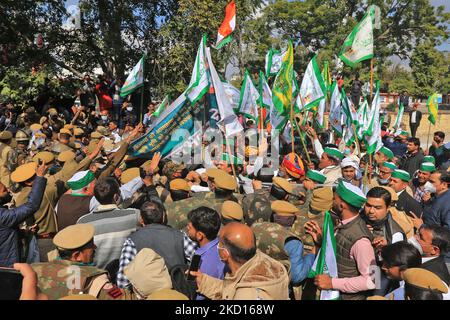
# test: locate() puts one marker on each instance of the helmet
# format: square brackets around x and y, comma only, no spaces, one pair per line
[21,136]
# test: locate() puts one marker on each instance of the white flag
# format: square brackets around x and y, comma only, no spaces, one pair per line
[313,88]
[228,119]
[335,109]
[373,132]
[134,80]
[248,102]
[199,84]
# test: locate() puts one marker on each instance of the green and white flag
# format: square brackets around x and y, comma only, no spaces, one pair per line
[320,113]
[336,110]
[274,58]
[363,119]
[265,95]
[373,132]
[162,106]
[134,80]
[313,88]
[358,46]
[325,262]
[398,119]
[199,84]
[248,102]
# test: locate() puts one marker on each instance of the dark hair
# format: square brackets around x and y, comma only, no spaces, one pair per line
[401,254]
[444,176]
[416,141]
[441,237]
[415,293]
[177,195]
[440,134]
[153,211]
[105,189]
[222,193]
[64,136]
[278,192]
[379,192]
[240,255]
[205,220]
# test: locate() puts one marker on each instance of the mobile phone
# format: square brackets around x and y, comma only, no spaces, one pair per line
[195,264]
[10,284]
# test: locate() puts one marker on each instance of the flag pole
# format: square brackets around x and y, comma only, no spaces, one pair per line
[292,125]
[371,78]
[231,160]
[300,135]
[142,102]
[428,135]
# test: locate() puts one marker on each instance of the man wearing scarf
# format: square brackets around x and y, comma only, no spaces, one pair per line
[384,229]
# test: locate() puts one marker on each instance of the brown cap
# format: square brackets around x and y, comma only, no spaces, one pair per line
[129,175]
[103,130]
[5,135]
[45,156]
[394,195]
[225,181]
[179,184]
[78,131]
[66,156]
[376,298]
[322,199]
[167,294]
[232,210]
[74,236]
[52,111]
[42,120]
[213,172]
[284,208]
[24,172]
[96,135]
[283,184]
[83,297]
[424,279]
[36,127]
[67,131]
[68,126]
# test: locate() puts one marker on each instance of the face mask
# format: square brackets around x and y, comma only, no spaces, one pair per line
[104,118]
[129,108]
[429,187]
[347,151]
[416,244]
[383,182]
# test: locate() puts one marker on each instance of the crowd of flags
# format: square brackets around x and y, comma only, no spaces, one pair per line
[275,105]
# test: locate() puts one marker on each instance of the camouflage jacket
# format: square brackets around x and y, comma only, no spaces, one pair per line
[61,278]
[257,206]
[298,228]
[177,211]
[271,238]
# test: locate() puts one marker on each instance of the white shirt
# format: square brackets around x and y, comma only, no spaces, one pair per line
[413,117]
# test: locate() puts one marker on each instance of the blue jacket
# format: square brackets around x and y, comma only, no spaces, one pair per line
[10,220]
[437,212]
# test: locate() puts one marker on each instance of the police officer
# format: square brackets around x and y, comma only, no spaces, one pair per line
[72,272]
[8,158]
[23,140]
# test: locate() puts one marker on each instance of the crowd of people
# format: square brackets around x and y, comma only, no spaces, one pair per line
[75,204]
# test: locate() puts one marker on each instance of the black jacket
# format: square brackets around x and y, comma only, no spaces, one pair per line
[439,268]
[10,220]
[411,162]
[407,203]
[418,117]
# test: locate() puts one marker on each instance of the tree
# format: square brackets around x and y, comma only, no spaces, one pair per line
[427,68]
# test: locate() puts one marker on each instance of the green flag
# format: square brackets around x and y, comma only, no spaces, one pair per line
[433,106]
[373,132]
[134,80]
[199,84]
[282,86]
[398,119]
[162,106]
[326,262]
[358,45]
[326,75]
